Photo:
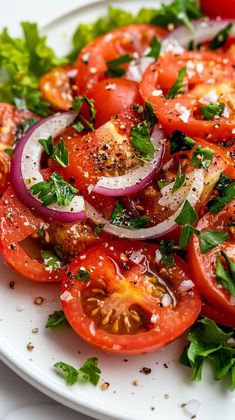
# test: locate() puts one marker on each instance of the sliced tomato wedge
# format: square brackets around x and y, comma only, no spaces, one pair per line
[203,265]
[56,88]
[92,60]
[18,224]
[118,298]
[216,315]
[209,79]
[10,117]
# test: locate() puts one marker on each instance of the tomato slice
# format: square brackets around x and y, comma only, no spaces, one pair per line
[128,302]
[112,97]
[91,62]
[216,315]
[10,117]
[55,87]
[17,224]
[217,8]
[206,73]
[203,265]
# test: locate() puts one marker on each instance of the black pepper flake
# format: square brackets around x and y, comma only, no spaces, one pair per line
[13,246]
[165,365]
[125,360]
[72,180]
[12,285]
[145,370]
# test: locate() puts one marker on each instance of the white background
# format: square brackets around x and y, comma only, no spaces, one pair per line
[18,400]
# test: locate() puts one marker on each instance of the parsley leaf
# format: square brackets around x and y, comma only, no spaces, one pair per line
[221,37]
[56,319]
[179,141]
[82,275]
[178,85]
[56,190]
[209,112]
[227,194]
[9,151]
[186,234]
[23,127]
[202,156]
[150,114]
[166,249]
[76,107]
[121,218]
[223,182]
[139,222]
[141,140]
[210,239]
[50,260]
[180,178]
[88,372]
[118,216]
[155,48]
[224,277]
[98,229]
[78,126]
[58,153]
[207,341]
[113,66]
[187,215]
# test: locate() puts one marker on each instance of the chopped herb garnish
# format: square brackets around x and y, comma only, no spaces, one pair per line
[155,48]
[24,127]
[9,151]
[118,216]
[166,249]
[178,85]
[150,114]
[180,179]
[121,218]
[202,156]
[56,319]
[186,234]
[78,126]
[98,229]
[207,341]
[141,140]
[50,260]
[139,222]
[58,153]
[187,215]
[223,182]
[210,239]
[113,66]
[161,183]
[221,37]
[88,372]
[209,112]
[82,275]
[56,190]
[179,141]
[76,107]
[227,194]
[223,276]
[31,100]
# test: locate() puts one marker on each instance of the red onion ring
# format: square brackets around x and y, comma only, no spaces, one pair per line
[205,30]
[159,230]
[26,161]
[137,178]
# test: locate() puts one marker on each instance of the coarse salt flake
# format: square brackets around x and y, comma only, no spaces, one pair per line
[66,296]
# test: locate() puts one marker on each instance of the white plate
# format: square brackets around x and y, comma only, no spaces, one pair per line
[158,395]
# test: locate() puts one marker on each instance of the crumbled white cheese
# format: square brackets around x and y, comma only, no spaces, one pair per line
[166,300]
[186,285]
[184,113]
[111,86]
[154,318]
[210,98]
[226,112]
[158,256]
[157,92]
[136,257]
[171,45]
[66,296]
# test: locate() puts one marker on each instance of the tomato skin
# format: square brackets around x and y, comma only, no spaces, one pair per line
[91,62]
[10,117]
[217,8]
[56,89]
[105,262]
[18,223]
[113,96]
[216,315]
[203,265]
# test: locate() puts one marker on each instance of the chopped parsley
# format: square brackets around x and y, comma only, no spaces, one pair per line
[155,48]
[98,229]
[226,277]
[178,85]
[179,141]
[9,151]
[187,215]
[58,153]
[138,222]
[23,127]
[150,114]
[121,218]
[209,112]
[226,190]
[180,179]
[56,190]
[50,260]
[210,239]
[82,275]
[88,372]
[221,37]
[24,98]
[207,341]
[166,247]
[186,234]
[56,319]
[113,66]
[76,107]
[202,156]
[141,140]
[78,126]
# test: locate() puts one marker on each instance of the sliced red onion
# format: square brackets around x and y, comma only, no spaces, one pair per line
[137,178]
[25,169]
[192,193]
[205,30]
